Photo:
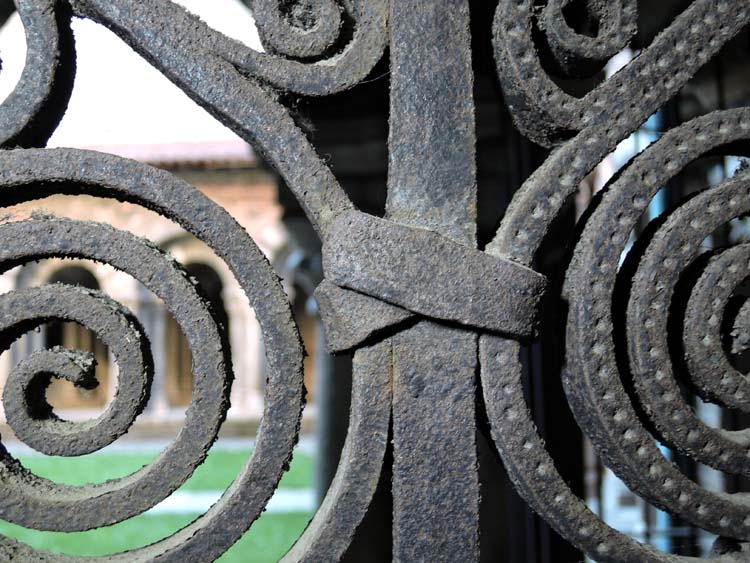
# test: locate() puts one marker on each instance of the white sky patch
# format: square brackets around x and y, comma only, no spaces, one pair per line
[198,502]
[118,98]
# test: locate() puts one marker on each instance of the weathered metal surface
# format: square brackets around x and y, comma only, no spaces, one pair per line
[352,318]
[593,383]
[435,484]
[431,144]
[713,377]
[298,30]
[669,253]
[31,113]
[329,533]
[24,395]
[741,330]
[427,273]
[238,85]
[37,502]
[422,308]
[597,397]
[577,53]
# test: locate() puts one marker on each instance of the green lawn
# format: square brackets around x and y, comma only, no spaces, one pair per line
[268,539]
[219,469]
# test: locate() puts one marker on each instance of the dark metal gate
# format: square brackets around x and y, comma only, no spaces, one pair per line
[432,320]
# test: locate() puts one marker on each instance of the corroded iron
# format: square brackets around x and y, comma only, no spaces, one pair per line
[426,313]
[24,395]
[406,266]
[592,380]
[33,501]
[431,143]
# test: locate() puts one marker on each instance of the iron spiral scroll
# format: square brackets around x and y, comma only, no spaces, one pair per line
[620,375]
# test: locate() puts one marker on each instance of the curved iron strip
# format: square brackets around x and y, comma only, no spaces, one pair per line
[548,115]
[330,532]
[541,197]
[24,395]
[32,111]
[197,60]
[594,390]
[711,373]
[73,171]
[675,245]
[311,33]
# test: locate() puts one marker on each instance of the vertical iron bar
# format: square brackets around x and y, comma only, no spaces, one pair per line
[432,184]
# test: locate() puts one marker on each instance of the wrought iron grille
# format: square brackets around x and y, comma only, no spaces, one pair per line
[429,317]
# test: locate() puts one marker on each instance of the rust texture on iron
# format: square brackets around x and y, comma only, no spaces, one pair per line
[430,318]
[431,143]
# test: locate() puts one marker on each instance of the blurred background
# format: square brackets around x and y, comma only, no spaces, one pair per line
[121,105]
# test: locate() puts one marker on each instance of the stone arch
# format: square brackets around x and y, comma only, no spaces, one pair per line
[178,359]
[74,336]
